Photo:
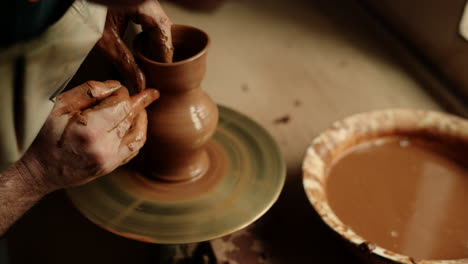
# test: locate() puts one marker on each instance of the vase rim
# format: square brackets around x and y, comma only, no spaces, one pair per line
[199,54]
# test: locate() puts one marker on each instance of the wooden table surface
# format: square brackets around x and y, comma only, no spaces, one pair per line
[295,69]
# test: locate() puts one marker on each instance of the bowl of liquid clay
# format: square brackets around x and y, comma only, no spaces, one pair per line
[394,185]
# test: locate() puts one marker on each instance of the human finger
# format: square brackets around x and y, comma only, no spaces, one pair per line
[144,98]
[151,14]
[124,113]
[135,137]
[127,66]
[115,98]
[113,113]
[84,96]
[113,47]
[152,18]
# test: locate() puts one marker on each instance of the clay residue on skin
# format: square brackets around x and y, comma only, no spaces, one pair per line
[166,49]
[77,117]
[165,27]
[160,46]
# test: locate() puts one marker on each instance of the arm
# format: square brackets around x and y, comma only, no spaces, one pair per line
[16,193]
[92,129]
[81,140]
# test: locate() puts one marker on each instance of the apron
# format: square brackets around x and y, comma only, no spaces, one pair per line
[33,73]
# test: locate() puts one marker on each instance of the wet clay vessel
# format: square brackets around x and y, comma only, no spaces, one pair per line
[356,130]
[205,170]
[184,118]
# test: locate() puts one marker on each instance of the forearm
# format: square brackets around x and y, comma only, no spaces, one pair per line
[17,194]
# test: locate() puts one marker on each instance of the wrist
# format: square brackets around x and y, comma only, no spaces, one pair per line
[30,175]
[17,193]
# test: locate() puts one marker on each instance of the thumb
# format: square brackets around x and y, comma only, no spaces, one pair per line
[113,47]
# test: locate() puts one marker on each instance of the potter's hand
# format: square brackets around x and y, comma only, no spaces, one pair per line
[93,129]
[152,17]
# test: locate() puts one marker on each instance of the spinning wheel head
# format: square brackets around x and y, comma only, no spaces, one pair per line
[246,175]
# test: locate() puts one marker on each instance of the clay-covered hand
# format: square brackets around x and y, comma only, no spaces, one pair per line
[93,129]
[151,16]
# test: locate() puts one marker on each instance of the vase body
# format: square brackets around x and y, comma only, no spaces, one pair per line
[184,118]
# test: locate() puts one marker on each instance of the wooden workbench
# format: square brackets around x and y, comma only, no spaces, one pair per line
[293,68]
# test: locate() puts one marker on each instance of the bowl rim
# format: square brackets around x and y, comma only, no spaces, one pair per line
[365,126]
[140,36]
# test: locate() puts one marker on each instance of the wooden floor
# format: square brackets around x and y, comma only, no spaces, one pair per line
[295,69]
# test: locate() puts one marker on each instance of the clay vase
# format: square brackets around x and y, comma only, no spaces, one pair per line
[184,118]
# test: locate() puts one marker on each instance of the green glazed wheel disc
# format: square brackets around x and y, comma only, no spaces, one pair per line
[245,178]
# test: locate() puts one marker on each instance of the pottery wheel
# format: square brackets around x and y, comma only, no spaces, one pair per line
[246,175]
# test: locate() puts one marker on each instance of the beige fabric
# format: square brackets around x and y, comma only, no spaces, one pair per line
[32,73]
[463,27]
